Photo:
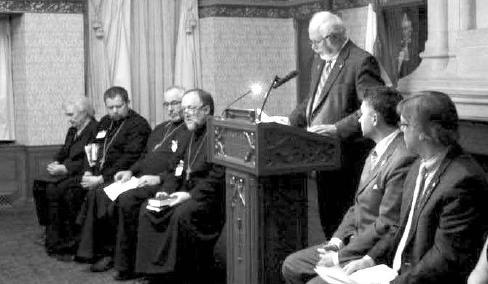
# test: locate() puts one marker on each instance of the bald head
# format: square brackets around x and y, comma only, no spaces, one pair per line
[172,101]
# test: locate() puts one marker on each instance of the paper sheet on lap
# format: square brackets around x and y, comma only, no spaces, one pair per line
[117,188]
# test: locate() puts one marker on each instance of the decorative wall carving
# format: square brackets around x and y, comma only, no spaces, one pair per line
[41,6]
[284,149]
[299,11]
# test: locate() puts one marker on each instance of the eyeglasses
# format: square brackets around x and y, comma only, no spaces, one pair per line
[317,42]
[172,103]
[192,109]
[403,126]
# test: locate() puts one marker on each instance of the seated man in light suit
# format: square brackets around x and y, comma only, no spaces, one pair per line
[377,202]
[443,212]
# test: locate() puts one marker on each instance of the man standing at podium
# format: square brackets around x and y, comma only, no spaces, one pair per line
[377,202]
[340,73]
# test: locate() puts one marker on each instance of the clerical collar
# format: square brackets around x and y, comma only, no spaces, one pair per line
[200,130]
[176,123]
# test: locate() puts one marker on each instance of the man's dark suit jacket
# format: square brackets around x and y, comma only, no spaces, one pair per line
[377,202]
[72,153]
[447,232]
[126,147]
[353,71]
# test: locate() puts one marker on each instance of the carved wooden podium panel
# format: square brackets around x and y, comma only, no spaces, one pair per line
[266,192]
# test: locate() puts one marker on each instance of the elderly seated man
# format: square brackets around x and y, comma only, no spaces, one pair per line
[175,244]
[58,196]
[151,169]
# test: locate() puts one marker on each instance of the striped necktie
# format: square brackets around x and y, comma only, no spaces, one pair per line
[323,79]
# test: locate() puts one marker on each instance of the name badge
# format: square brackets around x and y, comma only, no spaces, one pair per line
[101,134]
[179,168]
[174,145]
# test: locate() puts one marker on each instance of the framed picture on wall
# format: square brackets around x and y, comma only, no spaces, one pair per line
[403,36]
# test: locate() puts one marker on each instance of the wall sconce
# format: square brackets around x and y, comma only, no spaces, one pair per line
[98,27]
[191,22]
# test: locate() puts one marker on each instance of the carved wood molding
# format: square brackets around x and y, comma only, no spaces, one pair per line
[303,11]
[42,6]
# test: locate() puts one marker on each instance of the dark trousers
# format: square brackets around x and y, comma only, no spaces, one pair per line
[336,189]
[98,225]
[128,205]
[298,267]
[57,205]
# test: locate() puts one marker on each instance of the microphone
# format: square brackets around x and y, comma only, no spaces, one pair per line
[287,78]
[254,89]
[235,101]
[277,81]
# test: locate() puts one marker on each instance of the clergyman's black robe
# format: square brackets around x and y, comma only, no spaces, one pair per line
[179,240]
[124,143]
[161,148]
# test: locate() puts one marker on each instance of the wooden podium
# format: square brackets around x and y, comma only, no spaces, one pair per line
[266,192]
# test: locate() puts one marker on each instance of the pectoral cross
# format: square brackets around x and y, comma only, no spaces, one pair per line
[188,172]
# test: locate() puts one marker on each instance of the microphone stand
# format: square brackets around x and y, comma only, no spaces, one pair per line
[234,101]
[276,79]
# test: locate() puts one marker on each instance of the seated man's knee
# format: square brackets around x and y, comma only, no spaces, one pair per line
[288,269]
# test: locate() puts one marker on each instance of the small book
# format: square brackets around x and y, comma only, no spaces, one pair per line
[152,208]
[371,275]
[160,201]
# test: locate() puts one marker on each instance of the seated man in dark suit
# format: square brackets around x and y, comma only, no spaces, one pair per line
[58,196]
[176,244]
[151,168]
[377,202]
[121,139]
[443,212]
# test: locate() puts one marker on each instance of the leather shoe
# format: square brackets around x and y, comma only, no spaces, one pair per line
[65,257]
[143,280]
[124,275]
[103,264]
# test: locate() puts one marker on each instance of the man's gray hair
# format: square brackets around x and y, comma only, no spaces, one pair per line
[327,23]
[175,89]
[81,103]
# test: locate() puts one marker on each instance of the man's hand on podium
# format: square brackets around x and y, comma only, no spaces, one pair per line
[278,119]
[324,129]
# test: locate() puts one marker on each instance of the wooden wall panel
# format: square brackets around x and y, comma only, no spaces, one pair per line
[19,166]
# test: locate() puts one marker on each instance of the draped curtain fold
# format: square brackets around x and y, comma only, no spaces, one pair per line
[6,94]
[148,46]
[109,48]
[154,35]
[187,66]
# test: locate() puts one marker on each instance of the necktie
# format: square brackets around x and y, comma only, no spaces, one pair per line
[374,159]
[419,188]
[323,79]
